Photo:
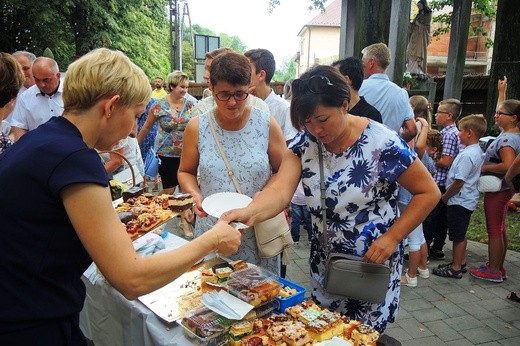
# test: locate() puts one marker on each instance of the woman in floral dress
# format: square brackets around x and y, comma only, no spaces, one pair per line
[364,164]
[172,113]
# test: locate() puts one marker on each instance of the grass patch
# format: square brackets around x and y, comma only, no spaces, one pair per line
[477,227]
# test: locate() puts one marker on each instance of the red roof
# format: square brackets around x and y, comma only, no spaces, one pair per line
[331,16]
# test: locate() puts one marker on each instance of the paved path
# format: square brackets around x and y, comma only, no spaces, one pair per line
[442,311]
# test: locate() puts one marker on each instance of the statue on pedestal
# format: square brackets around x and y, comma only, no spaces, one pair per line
[419,39]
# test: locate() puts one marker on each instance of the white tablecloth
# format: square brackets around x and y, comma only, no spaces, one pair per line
[109,319]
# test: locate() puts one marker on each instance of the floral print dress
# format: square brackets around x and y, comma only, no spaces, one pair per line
[361,200]
[172,123]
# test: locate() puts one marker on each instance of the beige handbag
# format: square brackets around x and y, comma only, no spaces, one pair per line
[273,236]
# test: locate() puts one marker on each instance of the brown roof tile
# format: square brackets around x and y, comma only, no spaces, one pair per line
[331,16]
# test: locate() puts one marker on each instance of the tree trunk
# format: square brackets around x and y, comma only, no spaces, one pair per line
[506,56]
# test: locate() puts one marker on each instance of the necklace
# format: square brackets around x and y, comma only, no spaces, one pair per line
[175,104]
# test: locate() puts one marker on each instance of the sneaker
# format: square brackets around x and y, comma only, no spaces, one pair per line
[463,267]
[502,270]
[424,273]
[504,273]
[484,273]
[408,281]
[436,254]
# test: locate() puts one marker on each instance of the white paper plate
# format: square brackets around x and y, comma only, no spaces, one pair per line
[218,203]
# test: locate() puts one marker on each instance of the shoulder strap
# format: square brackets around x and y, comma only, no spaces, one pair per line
[322,199]
[222,153]
[163,141]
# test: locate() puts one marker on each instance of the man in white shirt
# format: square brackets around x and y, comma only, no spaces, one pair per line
[40,102]
[263,67]
[388,98]
[208,103]
[26,60]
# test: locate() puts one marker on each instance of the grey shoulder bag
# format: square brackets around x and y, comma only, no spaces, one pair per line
[346,275]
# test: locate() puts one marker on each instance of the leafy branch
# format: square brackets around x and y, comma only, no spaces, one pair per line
[486,8]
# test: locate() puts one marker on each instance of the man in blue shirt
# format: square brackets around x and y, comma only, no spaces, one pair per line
[388,98]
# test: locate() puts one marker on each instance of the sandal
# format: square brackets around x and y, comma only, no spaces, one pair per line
[463,267]
[512,296]
[448,272]
[186,229]
[408,281]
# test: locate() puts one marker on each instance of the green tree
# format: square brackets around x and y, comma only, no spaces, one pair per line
[232,42]
[286,71]
[74,27]
[485,7]
[188,61]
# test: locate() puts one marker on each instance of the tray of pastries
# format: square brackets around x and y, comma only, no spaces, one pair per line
[304,324]
[253,285]
[143,212]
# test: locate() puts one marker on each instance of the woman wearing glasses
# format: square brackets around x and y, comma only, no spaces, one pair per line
[250,138]
[364,163]
[500,155]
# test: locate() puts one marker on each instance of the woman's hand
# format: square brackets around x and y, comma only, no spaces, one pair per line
[502,85]
[238,215]
[381,249]
[197,206]
[424,123]
[227,237]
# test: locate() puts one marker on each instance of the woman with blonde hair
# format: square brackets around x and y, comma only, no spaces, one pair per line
[172,113]
[58,218]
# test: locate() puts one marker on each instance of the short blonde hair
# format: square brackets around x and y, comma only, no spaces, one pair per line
[101,74]
[380,52]
[175,78]
[475,122]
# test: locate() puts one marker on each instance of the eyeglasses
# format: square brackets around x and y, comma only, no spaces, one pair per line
[225,96]
[497,113]
[441,112]
[316,84]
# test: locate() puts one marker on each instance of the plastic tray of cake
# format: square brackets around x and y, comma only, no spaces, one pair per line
[290,294]
[262,311]
[253,285]
[206,327]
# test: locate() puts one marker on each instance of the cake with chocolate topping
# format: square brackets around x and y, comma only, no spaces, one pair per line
[179,202]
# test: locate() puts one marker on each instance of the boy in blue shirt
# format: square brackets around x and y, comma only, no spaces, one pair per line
[462,194]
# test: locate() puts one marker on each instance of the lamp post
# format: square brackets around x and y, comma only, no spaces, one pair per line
[175,36]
